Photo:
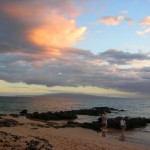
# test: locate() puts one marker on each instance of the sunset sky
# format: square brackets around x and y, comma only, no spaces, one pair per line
[87,46]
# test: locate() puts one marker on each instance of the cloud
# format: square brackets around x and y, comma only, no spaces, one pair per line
[114,56]
[41,30]
[140,63]
[49,35]
[27,9]
[114,69]
[142,33]
[145,21]
[111,20]
[129,21]
[114,20]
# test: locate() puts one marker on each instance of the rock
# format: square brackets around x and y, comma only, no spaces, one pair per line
[23,143]
[131,123]
[14,115]
[69,115]
[95,125]
[112,123]
[147,120]
[53,116]
[24,112]
[8,123]
[96,111]
[135,122]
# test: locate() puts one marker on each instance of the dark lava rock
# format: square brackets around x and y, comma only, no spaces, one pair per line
[131,123]
[95,125]
[147,120]
[24,112]
[69,115]
[53,116]
[32,145]
[23,143]
[96,111]
[8,123]
[135,122]
[14,115]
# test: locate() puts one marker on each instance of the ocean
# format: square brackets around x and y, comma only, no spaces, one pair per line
[133,107]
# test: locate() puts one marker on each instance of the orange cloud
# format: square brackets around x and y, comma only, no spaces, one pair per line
[145,21]
[111,20]
[54,33]
[48,26]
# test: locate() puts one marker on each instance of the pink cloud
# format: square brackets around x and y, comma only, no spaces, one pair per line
[52,37]
[111,20]
[115,20]
[145,21]
[50,27]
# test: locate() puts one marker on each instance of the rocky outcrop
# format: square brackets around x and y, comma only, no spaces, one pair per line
[15,142]
[95,125]
[112,123]
[8,123]
[53,116]
[131,123]
[96,111]
[24,112]
[69,115]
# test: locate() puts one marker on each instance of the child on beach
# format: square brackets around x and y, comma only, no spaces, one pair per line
[104,124]
[123,127]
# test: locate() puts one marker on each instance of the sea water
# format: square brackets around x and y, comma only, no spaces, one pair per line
[134,107]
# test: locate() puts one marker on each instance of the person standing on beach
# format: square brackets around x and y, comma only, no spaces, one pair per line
[104,124]
[123,127]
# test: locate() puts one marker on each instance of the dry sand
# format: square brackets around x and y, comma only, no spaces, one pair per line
[31,134]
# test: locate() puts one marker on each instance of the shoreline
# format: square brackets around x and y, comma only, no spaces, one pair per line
[67,138]
[135,136]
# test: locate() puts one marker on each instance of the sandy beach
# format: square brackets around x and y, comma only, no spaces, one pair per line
[30,134]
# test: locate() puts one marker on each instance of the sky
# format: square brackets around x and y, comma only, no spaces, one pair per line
[86,46]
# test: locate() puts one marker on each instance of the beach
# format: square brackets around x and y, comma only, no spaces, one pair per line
[29,134]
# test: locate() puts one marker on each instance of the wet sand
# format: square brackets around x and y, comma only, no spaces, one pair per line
[137,136]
